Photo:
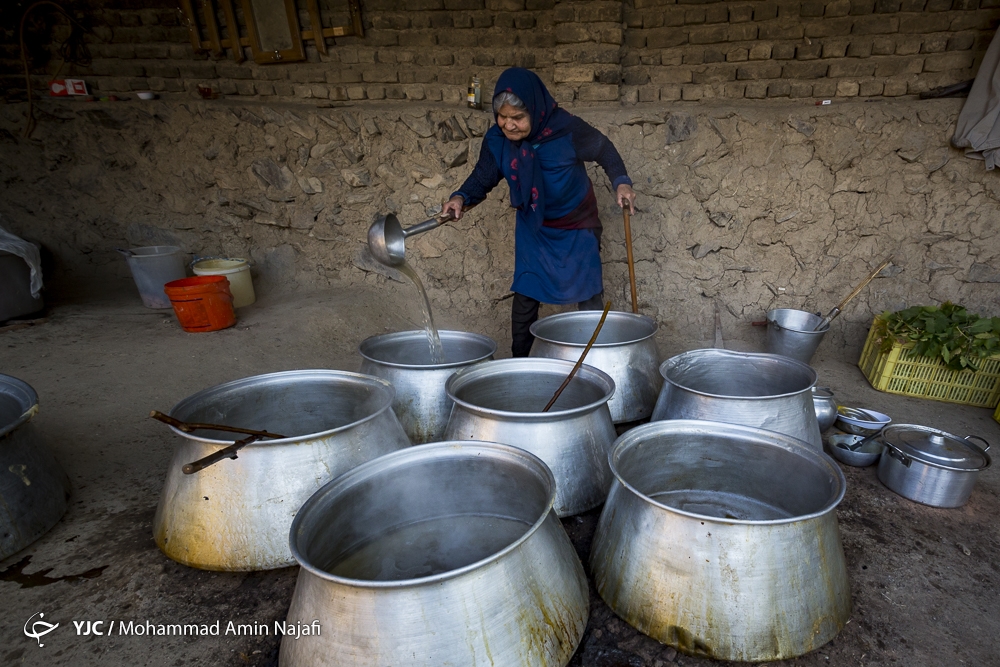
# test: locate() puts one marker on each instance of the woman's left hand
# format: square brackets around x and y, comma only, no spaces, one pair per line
[626,194]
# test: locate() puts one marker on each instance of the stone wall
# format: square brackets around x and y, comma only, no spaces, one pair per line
[593,52]
[754,206]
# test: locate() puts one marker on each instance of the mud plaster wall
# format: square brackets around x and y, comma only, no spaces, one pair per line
[755,207]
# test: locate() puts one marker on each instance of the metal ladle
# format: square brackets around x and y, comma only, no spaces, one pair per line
[387,238]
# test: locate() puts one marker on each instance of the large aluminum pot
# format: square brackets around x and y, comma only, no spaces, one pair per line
[443,554]
[722,541]
[625,349]
[502,401]
[404,359]
[930,466]
[235,515]
[791,333]
[33,486]
[761,390]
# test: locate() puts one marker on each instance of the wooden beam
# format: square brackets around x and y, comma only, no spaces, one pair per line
[192,26]
[316,23]
[212,26]
[355,7]
[234,30]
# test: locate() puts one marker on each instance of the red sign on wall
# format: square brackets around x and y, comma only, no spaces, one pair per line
[64,87]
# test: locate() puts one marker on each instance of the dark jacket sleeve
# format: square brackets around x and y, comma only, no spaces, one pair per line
[484,177]
[593,146]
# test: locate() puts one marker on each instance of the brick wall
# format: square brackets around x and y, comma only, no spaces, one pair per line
[591,52]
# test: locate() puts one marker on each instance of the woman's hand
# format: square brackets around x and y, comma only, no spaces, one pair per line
[454,207]
[626,194]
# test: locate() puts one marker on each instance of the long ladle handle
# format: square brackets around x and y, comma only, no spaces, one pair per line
[187,427]
[224,453]
[857,290]
[426,225]
[579,361]
[628,254]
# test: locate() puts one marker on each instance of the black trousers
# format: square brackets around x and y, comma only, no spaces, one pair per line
[524,313]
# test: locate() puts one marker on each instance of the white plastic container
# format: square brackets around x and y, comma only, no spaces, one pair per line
[152,267]
[236,270]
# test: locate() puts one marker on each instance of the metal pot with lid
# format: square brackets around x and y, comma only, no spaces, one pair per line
[930,466]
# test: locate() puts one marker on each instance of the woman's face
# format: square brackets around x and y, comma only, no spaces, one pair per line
[515,123]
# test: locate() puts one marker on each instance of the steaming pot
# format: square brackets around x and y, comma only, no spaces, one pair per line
[404,359]
[235,515]
[442,554]
[722,541]
[502,401]
[765,391]
[625,349]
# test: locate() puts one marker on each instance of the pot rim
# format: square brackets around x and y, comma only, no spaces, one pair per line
[746,355]
[581,314]
[444,333]
[25,394]
[388,462]
[772,321]
[302,373]
[788,443]
[487,367]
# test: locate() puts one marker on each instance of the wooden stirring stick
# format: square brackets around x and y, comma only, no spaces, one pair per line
[579,361]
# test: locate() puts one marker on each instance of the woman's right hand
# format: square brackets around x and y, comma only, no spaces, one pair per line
[454,207]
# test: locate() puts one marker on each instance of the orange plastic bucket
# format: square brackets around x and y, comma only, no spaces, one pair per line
[202,303]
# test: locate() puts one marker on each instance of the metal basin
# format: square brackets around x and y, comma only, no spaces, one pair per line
[790,333]
[502,401]
[722,541]
[625,349]
[235,514]
[33,486]
[443,554]
[404,359]
[761,390]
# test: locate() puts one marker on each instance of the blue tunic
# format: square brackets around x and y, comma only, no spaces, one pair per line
[551,265]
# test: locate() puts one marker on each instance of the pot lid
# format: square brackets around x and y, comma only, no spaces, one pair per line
[935,448]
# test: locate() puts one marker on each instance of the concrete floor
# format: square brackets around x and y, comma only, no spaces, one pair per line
[924,581]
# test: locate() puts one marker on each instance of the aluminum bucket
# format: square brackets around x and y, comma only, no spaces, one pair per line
[443,554]
[404,359]
[723,542]
[790,333]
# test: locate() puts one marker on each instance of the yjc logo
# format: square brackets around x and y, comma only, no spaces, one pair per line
[39,628]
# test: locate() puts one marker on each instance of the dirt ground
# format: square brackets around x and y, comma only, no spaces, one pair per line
[924,581]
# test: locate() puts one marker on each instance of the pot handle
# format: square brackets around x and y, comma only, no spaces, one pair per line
[897,454]
[985,449]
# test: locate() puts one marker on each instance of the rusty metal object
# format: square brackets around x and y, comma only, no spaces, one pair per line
[722,541]
[443,554]
[236,516]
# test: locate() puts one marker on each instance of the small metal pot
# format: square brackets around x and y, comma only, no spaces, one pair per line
[33,486]
[235,515]
[766,391]
[825,406]
[929,466]
[404,359]
[502,401]
[442,554]
[625,349]
[791,333]
[722,541]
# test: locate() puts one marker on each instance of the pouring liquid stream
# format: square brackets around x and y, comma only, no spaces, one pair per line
[433,338]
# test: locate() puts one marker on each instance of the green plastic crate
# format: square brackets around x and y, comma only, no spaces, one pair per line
[899,371]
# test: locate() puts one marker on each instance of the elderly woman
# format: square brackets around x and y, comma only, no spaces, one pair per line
[541,150]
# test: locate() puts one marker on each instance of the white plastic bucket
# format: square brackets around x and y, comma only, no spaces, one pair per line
[238,273]
[152,267]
